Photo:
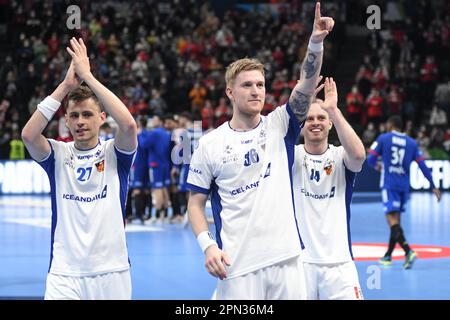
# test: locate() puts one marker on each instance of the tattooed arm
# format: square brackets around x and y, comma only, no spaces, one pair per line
[301,96]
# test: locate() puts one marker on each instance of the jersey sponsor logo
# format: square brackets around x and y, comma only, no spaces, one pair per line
[95,197]
[253,184]
[86,156]
[100,166]
[246,141]
[194,170]
[319,196]
[397,170]
[245,188]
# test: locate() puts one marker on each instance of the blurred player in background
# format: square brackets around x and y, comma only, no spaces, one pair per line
[397,151]
[158,143]
[139,180]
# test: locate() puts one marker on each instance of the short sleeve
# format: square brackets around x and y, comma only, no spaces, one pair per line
[377,147]
[200,173]
[284,118]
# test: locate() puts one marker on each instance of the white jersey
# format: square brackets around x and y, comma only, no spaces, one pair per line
[88,192]
[249,177]
[323,189]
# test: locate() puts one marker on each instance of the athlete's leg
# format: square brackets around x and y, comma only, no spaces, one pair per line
[148,203]
[139,207]
[175,202]
[158,201]
[393,220]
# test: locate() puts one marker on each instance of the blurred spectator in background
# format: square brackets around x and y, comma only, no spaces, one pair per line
[17,148]
[354,107]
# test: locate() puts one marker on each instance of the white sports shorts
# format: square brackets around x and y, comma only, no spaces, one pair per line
[107,286]
[284,280]
[332,281]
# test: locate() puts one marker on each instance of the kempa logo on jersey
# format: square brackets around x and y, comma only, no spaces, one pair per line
[89,156]
[86,156]
[74,197]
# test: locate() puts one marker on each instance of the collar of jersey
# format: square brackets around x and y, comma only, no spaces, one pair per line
[260,121]
[312,154]
[85,150]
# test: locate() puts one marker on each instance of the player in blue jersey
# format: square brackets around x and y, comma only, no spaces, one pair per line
[171,126]
[186,139]
[157,143]
[89,181]
[397,151]
[139,180]
[246,166]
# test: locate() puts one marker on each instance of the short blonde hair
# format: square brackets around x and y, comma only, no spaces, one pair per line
[245,64]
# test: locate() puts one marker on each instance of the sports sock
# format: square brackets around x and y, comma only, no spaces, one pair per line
[393,239]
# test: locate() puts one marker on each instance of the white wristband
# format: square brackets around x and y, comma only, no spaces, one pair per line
[316,47]
[48,107]
[205,240]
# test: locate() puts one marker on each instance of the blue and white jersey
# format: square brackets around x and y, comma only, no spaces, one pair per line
[397,151]
[323,189]
[248,175]
[88,192]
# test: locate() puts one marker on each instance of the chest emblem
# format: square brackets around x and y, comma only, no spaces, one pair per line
[100,166]
[328,167]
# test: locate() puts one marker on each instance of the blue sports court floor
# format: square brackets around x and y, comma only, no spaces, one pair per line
[168,264]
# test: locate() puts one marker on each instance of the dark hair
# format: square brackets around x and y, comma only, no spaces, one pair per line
[187,115]
[142,122]
[167,116]
[396,121]
[81,94]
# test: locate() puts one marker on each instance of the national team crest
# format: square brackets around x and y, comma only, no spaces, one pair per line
[328,167]
[100,166]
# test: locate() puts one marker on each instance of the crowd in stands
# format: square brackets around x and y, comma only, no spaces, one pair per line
[406,71]
[170,56]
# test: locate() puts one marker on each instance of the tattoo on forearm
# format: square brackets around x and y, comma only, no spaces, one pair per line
[299,103]
[310,65]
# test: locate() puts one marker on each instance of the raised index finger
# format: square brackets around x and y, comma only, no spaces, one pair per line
[317,15]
